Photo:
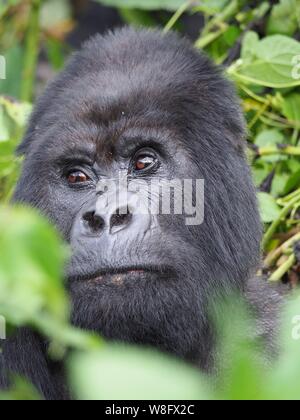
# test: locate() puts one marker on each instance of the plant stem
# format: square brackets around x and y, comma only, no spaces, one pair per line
[283,269]
[279,150]
[222,17]
[274,256]
[295,136]
[31,52]
[253,95]
[258,115]
[174,19]
[211,37]
[285,200]
[285,211]
[216,26]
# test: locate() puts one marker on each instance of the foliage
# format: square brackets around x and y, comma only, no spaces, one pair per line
[13,116]
[31,293]
[257,43]
[146,5]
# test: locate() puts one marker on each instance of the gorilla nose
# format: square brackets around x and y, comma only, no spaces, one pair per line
[110,215]
[95,223]
[120,220]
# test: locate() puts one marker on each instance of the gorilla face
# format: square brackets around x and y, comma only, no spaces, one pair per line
[144,106]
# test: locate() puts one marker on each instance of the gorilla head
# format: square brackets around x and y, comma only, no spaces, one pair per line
[144,106]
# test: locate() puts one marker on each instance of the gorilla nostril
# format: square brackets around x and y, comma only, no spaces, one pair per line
[120,219]
[93,222]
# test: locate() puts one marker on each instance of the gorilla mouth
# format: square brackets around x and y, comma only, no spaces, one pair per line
[118,276]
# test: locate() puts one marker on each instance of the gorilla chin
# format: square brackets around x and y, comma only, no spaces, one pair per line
[144,105]
[145,307]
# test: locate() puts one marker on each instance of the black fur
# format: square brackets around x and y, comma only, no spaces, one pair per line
[152,88]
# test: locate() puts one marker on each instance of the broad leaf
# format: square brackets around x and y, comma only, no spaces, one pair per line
[269,209]
[272,63]
[284,18]
[270,138]
[125,373]
[30,268]
[171,5]
[291,108]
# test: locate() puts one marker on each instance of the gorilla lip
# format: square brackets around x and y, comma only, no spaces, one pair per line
[118,275]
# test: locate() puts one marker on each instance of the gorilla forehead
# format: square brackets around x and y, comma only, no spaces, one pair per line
[143,77]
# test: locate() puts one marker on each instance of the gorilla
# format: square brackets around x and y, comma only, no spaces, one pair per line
[148,106]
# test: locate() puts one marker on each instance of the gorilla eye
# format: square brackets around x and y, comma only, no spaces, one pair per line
[77,177]
[144,161]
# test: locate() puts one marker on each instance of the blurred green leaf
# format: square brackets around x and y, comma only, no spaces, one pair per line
[292,183]
[18,111]
[260,171]
[291,108]
[270,138]
[137,17]
[55,54]
[14,62]
[13,117]
[270,64]
[283,381]
[20,391]
[54,12]
[128,373]
[31,265]
[269,209]
[171,5]
[250,43]
[241,358]
[4,125]
[284,18]
[279,183]
[211,6]
[6,4]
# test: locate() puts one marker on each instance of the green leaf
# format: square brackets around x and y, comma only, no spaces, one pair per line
[14,63]
[211,6]
[171,5]
[4,125]
[242,370]
[270,138]
[291,108]
[55,54]
[137,17]
[128,373]
[31,267]
[269,209]
[260,171]
[283,381]
[279,183]
[271,62]
[20,391]
[54,12]
[6,4]
[249,46]
[292,183]
[284,18]
[18,111]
